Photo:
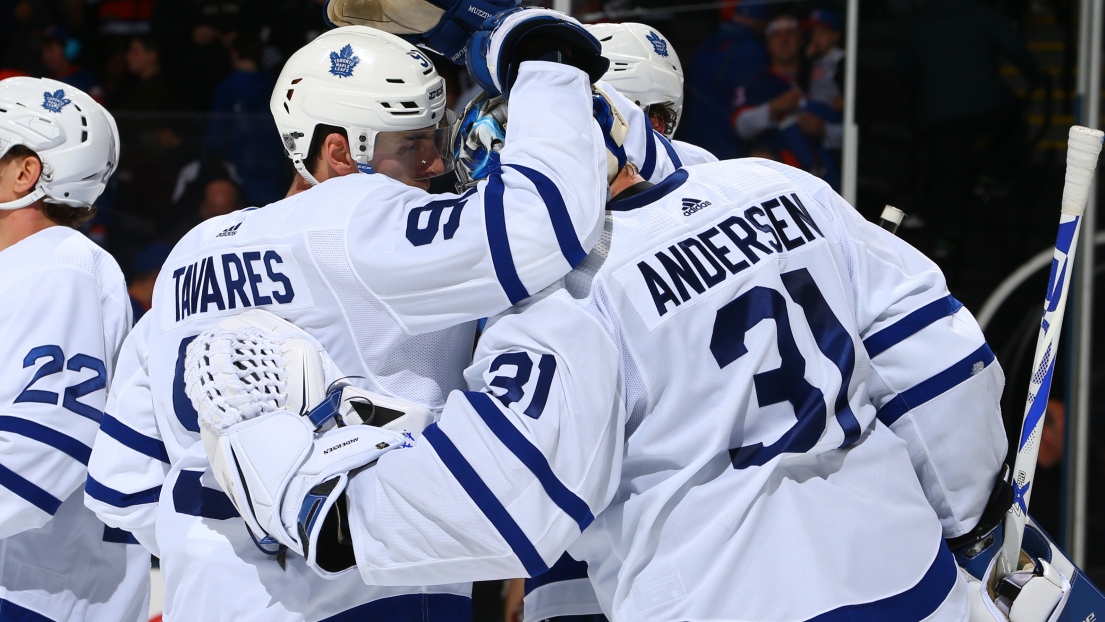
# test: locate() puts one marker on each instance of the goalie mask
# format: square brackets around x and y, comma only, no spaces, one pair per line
[75,137]
[645,68]
[381,90]
[481,134]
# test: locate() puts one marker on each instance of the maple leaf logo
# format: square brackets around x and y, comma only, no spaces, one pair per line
[55,101]
[658,43]
[343,62]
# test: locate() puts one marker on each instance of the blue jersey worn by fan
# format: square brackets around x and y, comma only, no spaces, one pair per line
[387,276]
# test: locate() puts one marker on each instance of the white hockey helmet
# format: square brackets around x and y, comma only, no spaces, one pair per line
[75,137]
[383,91]
[643,67]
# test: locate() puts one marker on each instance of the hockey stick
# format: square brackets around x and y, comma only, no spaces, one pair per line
[1083,147]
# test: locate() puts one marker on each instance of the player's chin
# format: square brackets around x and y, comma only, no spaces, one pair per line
[423,184]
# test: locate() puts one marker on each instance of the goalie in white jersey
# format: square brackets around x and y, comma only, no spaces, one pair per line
[747,403]
[362,261]
[64,317]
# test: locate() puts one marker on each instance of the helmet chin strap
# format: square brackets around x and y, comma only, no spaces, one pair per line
[303,172]
[37,195]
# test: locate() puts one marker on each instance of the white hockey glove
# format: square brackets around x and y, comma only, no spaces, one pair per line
[443,26]
[512,37]
[279,445]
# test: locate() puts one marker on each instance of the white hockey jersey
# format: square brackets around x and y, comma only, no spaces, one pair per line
[754,405]
[391,280]
[64,317]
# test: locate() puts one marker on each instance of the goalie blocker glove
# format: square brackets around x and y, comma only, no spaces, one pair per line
[282,451]
[442,26]
[512,37]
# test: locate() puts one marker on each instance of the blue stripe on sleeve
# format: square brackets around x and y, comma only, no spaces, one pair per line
[530,456]
[118,536]
[565,569]
[501,257]
[113,497]
[937,385]
[670,148]
[558,214]
[649,166]
[16,613]
[485,500]
[48,436]
[191,497]
[910,325]
[137,441]
[29,491]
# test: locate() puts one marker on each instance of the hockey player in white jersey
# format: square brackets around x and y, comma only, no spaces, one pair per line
[747,403]
[362,260]
[64,316]
[645,68]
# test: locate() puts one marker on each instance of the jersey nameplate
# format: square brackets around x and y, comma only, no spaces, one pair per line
[228,282]
[675,277]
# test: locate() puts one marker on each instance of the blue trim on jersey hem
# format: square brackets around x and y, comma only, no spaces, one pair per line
[485,500]
[118,499]
[670,148]
[653,194]
[558,214]
[145,445]
[937,385]
[117,536]
[30,491]
[47,436]
[436,607]
[191,497]
[565,569]
[497,240]
[910,325]
[649,166]
[532,457]
[11,612]
[912,605]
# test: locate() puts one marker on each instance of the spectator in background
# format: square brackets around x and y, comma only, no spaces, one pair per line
[150,89]
[242,130]
[220,197]
[21,22]
[735,49]
[59,51]
[143,274]
[825,87]
[973,134]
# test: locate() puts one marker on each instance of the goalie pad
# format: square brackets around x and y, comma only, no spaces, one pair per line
[1047,588]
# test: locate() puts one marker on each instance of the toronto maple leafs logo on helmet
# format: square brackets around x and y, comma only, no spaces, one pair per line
[658,43]
[343,62]
[55,101]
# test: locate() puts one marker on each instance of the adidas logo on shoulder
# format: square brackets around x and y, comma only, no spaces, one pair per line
[229,231]
[690,206]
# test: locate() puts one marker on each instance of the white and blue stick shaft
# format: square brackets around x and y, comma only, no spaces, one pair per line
[1083,147]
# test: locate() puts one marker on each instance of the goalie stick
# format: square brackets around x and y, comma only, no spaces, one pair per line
[1083,147]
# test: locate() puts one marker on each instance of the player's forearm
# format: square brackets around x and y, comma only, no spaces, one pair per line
[643,147]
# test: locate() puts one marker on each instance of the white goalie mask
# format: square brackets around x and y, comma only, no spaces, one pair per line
[645,68]
[75,137]
[382,90]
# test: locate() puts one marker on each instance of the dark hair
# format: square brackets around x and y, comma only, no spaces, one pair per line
[60,214]
[314,152]
[248,47]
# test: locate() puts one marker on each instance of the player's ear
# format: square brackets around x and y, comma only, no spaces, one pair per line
[26,174]
[335,152]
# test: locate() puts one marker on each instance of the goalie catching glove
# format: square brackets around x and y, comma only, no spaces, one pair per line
[280,444]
